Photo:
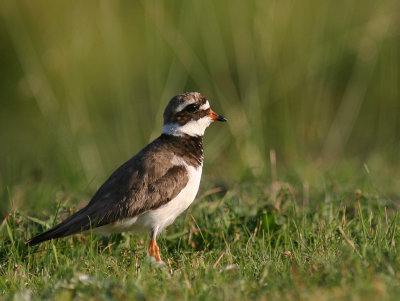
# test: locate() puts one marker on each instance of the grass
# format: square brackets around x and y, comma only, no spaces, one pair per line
[242,244]
[311,90]
[85,84]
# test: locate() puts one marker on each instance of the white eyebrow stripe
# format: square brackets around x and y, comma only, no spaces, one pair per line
[205,106]
[184,105]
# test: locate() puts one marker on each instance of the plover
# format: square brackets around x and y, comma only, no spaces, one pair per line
[148,192]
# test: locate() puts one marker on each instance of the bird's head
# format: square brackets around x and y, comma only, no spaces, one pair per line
[189,114]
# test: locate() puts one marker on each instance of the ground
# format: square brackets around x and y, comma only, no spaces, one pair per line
[250,242]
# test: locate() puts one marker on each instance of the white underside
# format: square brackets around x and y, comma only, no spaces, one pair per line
[156,220]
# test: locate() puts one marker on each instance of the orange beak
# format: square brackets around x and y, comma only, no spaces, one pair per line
[214,116]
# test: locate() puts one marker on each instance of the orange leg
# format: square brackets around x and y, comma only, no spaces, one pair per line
[154,250]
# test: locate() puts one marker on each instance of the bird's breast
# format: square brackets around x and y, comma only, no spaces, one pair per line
[166,214]
[158,219]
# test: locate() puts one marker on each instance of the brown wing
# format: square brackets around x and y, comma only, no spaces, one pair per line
[136,195]
[143,183]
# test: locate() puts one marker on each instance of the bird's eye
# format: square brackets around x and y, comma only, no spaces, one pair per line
[192,108]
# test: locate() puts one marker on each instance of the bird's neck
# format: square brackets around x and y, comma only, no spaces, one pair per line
[191,128]
[190,148]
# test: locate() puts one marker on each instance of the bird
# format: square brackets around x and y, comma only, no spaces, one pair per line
[150,190]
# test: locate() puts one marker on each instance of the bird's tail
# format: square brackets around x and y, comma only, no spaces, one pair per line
[77,222]
[50,234]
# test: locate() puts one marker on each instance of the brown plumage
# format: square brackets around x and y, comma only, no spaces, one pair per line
[144,182]
[149,180]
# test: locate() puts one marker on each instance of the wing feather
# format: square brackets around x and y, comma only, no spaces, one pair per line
[128,192]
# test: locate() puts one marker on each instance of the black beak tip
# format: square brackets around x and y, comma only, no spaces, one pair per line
[222,118]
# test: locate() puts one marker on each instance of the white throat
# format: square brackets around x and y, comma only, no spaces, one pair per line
[191,128]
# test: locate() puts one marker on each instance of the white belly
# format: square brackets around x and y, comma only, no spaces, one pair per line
[156,220]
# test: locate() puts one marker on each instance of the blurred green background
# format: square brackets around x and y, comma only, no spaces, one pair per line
[84,84]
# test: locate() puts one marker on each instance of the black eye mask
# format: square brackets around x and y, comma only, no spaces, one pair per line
[191,108]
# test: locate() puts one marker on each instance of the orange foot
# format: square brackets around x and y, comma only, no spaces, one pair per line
[154,250]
